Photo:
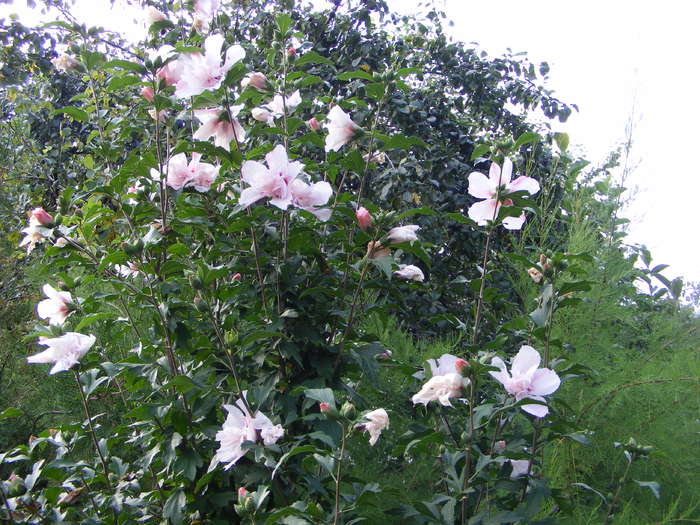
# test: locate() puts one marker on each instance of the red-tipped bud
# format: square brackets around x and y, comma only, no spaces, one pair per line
[499,446]
[41,216]
[461,365]
[236,277]
[313,124]
[324,407]
[242,493]
[147,93]
[364,218]
[291,51]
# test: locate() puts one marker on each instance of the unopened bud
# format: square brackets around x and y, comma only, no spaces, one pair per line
[535,275]
[313,124]
[347,410]
[499,446]
[147,93]
[543,259]
[461,366]
[236,277]
[242,493]
[324,407]
[41,216]
[291,51]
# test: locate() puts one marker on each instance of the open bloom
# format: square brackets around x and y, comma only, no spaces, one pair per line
[240,427]
[311,197]
[180,174]
[56,308]
[201,72]
[272,181]
[65,351]
[403,234]
[341,129]
[284,105]
[526,379]
[377,420]
[409,272]
[446,382]
[494,189]
[216,123]
[170,72]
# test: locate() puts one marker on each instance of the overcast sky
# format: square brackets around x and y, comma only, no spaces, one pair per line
[608,57]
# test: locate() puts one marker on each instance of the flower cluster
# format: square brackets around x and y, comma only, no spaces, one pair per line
[181,174]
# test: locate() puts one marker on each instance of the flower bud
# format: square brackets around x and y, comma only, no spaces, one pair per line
[147,93]
[41,216]
[499,446]
[324,407]
[153,15]
[261,114]
[291,51]
[242,493]
[348,410]
[535,275]
[236,277]
[364,218]
[543,259]
[255,80]
[461,366]
[313,124]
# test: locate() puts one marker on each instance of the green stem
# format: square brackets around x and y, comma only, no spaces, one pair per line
[611,505]
[337,481]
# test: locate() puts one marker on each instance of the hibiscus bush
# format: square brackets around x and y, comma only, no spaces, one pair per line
[247,201]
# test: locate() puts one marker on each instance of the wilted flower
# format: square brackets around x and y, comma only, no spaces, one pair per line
[255,80]
[341,129]
[403,234]
[201,72]
[313,124]
[160,116]
[377,420]
[526,380]
[216,123]
[153,15]
[65,63]
[130,269]
[271,181]
[445,383]
[56,308]
[536,275]
[379,158]
[281,105]
[494,189]
[60,243]
[520,467]
[364,218]
[409,272]
[65,351]
[147,93]
[263,115]
[239,427]
[41,216]
[375,250]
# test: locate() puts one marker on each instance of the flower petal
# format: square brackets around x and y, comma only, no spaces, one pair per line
[513,223]
[484,211]
[524,183]
[544,382]
[481,186]
[526,361]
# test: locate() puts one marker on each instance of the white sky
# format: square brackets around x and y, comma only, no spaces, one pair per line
[606,56]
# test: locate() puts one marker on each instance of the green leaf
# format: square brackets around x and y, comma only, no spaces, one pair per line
[73,112]
[356,74]
[284,22]
[304,449]
[322,395]
[479,151]
[677,287]
[125,64]
[11,412]
[311,57]
[578,286]
[591,489]
[118,83]
[562,140]
[93,318]
[525,138]
[403,142]
[375,90]
[173,506]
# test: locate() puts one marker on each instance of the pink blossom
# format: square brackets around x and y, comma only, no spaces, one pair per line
[263,115]
[56,308]
[310,197]
[526,380]
[255,80]
[171,71]
[65,351]
[240,427]
[41,216]
[445,364]
[409,272]
[444,384]
[216,123]
[324,407]
[377,421]
[364,218]
[272,181]
[242,493]
[499,446]
[201,72]
[494,189]
[341,129]
[284,105]
[236,277]
[147,93]
[313,124]
[291,51]
[35,233]
[180,174]
[403,234]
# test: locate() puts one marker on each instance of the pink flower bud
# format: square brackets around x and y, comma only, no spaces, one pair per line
[364,218]
[236,277]
[313,124]
[147,93]
[499,446]
[242,492]
[291,51]
[324,407]
[255,80]
[41,216]
[460,365]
